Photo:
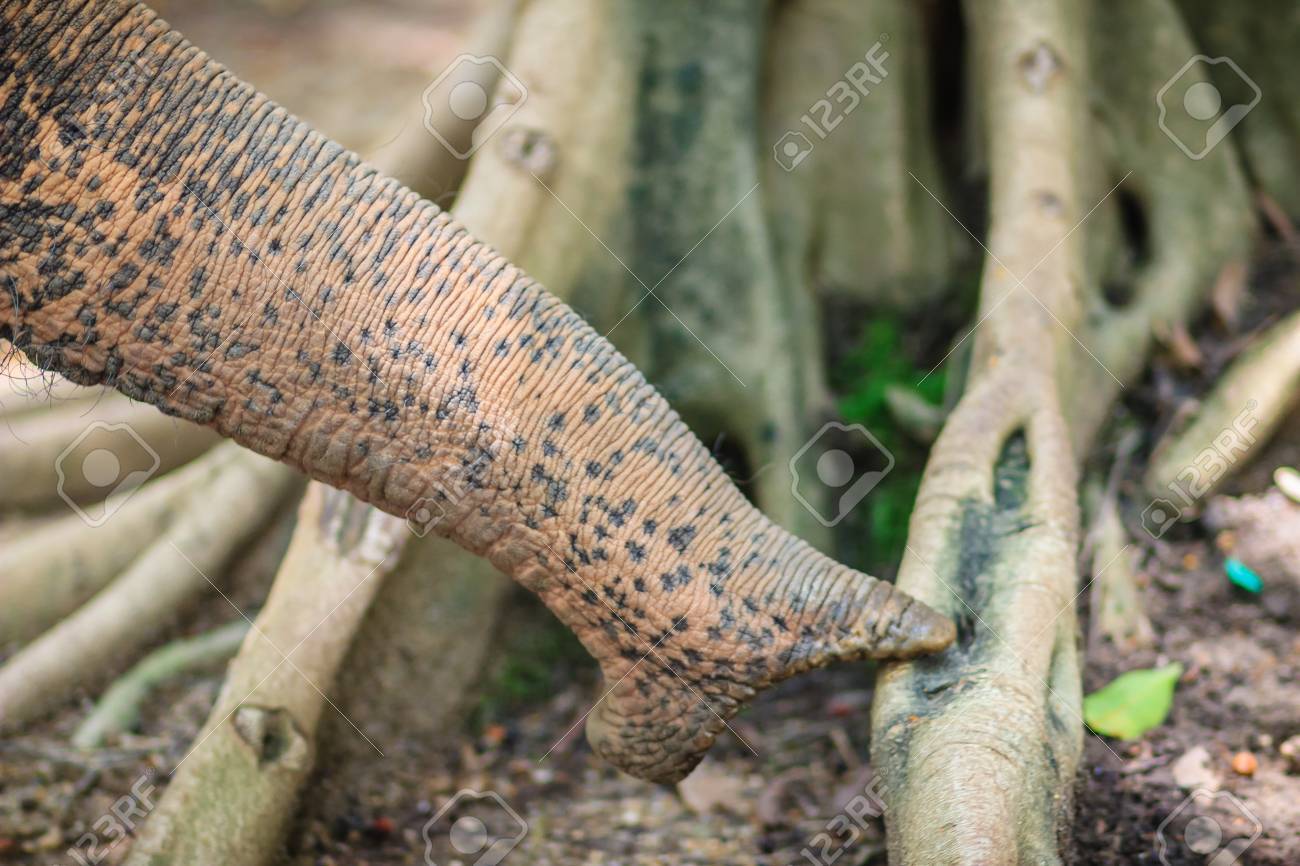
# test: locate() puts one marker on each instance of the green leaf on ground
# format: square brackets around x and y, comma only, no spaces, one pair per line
[1132,703]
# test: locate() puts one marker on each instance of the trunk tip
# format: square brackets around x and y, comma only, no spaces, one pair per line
[918,630]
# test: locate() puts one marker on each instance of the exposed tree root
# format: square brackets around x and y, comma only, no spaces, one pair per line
[242,492]
[413,156]
[919,418]
[35,446]
[1246,405]
[1170,227]
[560,159]
[231,798]
[119,708]
[411,673]
[53,568]
[1115,602]
[978,747]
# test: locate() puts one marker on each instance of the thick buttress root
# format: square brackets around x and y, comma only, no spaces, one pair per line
[978,746]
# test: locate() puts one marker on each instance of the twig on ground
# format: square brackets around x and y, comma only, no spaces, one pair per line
[119,708]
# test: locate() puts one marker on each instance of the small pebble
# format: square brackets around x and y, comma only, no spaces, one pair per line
[1242,575]
[1191,561]
[1193,770]
[1244,764]
[1290,752]
[1287,480]
[1226,541]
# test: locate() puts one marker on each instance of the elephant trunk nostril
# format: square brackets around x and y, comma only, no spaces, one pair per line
[918,630]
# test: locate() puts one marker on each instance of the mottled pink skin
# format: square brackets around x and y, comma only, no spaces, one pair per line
[171,233]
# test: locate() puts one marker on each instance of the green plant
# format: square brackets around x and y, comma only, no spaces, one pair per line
[878,363]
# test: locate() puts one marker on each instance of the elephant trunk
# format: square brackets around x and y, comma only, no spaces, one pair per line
[169,232]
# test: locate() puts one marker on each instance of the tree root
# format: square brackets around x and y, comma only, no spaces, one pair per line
[978,747]
[1170,225]
[242,491]
[231,798]
[1115,604]
[417,159]
[432,624]
[42,453]
[119,708]
[1246,405]
[51,570]
[919,418]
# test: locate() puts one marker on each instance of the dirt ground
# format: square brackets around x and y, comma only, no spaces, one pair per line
[803,758]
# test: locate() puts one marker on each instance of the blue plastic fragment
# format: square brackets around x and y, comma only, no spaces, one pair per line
[1242,575]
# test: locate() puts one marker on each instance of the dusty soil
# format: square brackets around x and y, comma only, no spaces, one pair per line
[803,758]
